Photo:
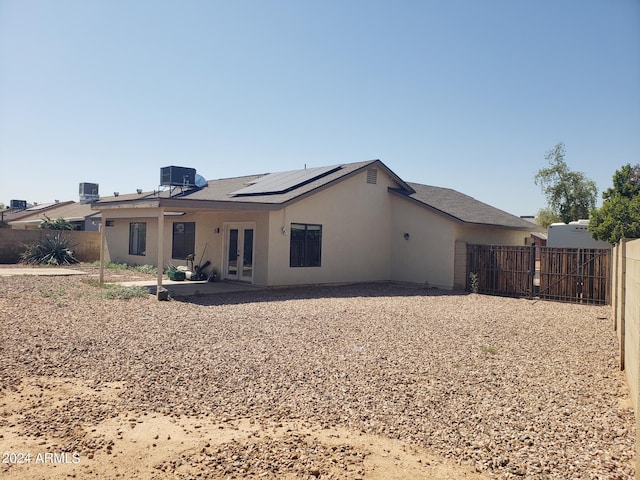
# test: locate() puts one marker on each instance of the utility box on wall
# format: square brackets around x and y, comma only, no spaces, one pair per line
[177,176]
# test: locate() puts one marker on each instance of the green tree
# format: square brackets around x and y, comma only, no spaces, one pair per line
[619,216]
[570,195]
[59,224]
[546,217]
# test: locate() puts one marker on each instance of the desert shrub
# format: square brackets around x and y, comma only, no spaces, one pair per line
[116,291]
[58,224]
[123,292]
[50,249]
[148,269]
[474,283]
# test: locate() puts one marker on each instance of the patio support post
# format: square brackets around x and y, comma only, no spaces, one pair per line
[160,252]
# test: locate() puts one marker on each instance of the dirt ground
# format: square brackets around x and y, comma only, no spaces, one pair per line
[144,444]
[77,401]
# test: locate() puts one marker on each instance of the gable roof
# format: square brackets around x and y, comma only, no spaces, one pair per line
[274,190]
[10,215]
[462,207]
[69,211]
[267,190]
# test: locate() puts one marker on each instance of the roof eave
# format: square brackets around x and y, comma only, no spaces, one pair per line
[184,204]
[404,194]
[523,228]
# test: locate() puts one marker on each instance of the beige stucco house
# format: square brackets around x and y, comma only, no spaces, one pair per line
[356,222]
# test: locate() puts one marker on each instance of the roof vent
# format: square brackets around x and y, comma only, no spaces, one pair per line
[372,176]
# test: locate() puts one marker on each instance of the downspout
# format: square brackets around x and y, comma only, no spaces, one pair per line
[159,288]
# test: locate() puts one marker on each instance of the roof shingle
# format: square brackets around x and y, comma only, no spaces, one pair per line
[463,207]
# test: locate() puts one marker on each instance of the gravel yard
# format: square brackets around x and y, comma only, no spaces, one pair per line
[367,381]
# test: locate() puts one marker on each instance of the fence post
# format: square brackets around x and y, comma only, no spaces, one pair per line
[623,294]
[614,284]
[532,271]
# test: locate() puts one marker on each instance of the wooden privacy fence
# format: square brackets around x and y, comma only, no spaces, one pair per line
[578,275]
[575,274]
[86,244]
[501,270]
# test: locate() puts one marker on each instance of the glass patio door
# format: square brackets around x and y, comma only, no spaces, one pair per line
[239,252]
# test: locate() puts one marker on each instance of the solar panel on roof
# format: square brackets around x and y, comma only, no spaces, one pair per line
[282,182]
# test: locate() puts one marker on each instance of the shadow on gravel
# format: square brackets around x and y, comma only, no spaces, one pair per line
[284,294]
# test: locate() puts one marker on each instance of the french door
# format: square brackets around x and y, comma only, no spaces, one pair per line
[239,246]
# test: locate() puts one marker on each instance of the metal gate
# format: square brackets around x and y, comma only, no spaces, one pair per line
[575,275]
[580,275]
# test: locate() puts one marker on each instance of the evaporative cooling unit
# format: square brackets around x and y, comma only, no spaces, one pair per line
[18,204]
[88,192]
[177,176]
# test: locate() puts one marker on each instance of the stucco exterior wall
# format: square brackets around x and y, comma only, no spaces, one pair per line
[460,266]
[626,308]
[355,218]
[435,253]
[209,237]
[625,302]
[117,236]
[427,256]
[488,235]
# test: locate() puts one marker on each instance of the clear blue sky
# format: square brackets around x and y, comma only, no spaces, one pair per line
[465,94]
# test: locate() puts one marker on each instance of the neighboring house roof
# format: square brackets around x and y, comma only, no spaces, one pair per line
[531,219]
[462,207]
[10,215]
[265,189]
[69,211]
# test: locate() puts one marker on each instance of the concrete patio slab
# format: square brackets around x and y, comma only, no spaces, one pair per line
[47,271]
[189,288]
